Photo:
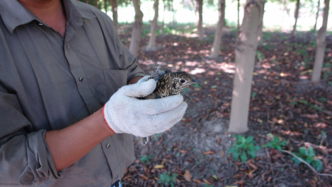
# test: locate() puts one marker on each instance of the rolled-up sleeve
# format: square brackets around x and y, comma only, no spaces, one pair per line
[24,157]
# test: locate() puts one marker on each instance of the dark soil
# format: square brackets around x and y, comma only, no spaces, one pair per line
[283,102]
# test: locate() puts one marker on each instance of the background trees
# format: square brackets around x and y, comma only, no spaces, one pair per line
[321,44]
[261,85]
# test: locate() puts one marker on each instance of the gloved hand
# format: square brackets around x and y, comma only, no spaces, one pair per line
[126,114]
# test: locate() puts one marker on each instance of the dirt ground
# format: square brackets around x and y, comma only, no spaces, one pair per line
[283,102]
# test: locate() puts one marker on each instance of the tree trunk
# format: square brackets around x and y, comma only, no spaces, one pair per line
[115,13]
[105,6]
[137,28]
[296,16]
[200,19]
[317,13]
[245,52]
[238,16]
[321,44]
[153,24]
[218,34]
[260,35]
[96,4]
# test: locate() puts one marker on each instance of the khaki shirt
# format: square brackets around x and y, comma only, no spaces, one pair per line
[48,82]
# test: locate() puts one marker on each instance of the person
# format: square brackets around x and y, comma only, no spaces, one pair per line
[68,88]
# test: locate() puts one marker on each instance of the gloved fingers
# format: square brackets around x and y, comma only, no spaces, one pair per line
[156,106]
[144,79]
[168,119]
[139,89]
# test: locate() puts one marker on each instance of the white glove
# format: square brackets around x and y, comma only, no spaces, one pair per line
[126,114]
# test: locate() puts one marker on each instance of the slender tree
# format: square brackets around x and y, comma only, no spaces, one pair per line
[238,15]
[317,13]
[137,28]
[105,5]
[218,34]
[296,16]
[200,19]
[245,52]
[321,44]
[153,24]
[114,5]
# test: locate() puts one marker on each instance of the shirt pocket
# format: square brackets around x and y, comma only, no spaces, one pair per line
[114,79]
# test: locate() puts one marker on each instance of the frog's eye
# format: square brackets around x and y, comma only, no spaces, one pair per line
[182,81]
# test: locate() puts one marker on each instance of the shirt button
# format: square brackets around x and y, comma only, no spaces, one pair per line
[80,79]
[108,145]
[41,24]
[31,24]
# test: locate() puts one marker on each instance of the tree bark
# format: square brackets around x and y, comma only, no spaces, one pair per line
[137,28]
[296,16]
[321,44]
[317,13]
[153,24]
[115,13]
[200,19]
[96,4]
[245,52]
[218,34]
[238,16]
[260,35]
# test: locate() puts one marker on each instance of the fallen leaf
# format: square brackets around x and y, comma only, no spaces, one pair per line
[209,152]
[144,177]
[183,151]
[250,173]
[239,182]
[159,166]
[206,181]
[168,156]
[253,166]
[311,116]
[222,154]
[187,175]
[197,181]
[186,120]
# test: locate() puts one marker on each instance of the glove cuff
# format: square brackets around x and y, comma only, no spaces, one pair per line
[108,118]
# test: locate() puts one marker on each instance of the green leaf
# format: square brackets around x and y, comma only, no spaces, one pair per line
[236,155]
[296,161]
[250,138]
[278,148]
[252,154]
[317,164]
[214,86]
[311,152]
[309,160]
[303,151]
[244,157]
[214,177]
[231,150]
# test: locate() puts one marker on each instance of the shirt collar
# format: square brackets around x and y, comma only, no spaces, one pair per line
[15,14]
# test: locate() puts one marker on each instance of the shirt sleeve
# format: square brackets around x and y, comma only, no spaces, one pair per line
[133,69]
[24,156]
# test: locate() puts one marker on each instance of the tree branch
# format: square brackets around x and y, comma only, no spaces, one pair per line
[313,169]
